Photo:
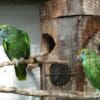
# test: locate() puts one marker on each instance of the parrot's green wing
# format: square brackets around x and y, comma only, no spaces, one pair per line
[91,66]
[21,68]
[27,41]
[6,48]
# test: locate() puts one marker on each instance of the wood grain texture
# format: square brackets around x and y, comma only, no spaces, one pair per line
[92,26]
[71,23]
[59,8]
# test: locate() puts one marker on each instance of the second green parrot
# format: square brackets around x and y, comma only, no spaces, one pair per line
[16,45]
[91,66]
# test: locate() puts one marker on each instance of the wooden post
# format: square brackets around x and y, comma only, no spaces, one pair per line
[70,24]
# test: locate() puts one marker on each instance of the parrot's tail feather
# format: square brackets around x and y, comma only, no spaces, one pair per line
[20,71]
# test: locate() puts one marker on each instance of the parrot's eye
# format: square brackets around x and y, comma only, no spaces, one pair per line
[82,52]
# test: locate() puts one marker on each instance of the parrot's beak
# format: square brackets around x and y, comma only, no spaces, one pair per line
[78,56]
[2,34]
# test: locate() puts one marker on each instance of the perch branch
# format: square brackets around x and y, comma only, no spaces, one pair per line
[14,62]
[40,93]
[27,61]
[31,61]
[53,62]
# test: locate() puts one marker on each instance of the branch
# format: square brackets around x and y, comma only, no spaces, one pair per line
[32,61]
[34,64]
[17,61]
[39,93]
[53,62]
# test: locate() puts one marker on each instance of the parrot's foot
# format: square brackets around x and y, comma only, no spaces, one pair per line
[16,61]
[21,59]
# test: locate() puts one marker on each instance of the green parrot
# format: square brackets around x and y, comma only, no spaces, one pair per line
[91,66]
[16,44]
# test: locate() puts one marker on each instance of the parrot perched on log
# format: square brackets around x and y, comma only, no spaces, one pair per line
[16,44]
[91,66]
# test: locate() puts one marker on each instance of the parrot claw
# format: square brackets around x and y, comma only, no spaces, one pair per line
[21,59]
[16,61]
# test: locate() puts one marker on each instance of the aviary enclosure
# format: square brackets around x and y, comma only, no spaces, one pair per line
[66,27]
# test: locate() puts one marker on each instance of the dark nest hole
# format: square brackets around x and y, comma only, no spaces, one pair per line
[60,74]
[48,42]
